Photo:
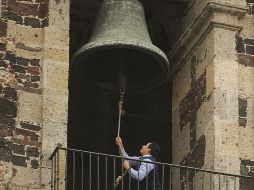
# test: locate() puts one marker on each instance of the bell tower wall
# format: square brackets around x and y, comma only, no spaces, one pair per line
[34,50]
[212,74]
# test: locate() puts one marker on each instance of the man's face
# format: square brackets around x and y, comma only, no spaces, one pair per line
[145,150]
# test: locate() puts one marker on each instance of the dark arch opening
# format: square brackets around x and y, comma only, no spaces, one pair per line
[93,113]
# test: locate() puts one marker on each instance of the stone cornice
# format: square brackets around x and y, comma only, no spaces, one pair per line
[208,19]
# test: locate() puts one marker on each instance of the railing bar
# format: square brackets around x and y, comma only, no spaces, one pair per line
[74,170]
[227,183]
[146,177]
[66,167]
[114,170]
[90,172]
[52,174]
[210,182]
[106,172]
[180,183]
[138,174]
[98,173]
[161,163]
[82,172]
[187,179]
[55,173]
[54,153]
[194,180]
[57,178]
[154,176]
[162,180]
[129,182]
[203,181]
[235,183]
[122,171]
[219,181]
[170,178]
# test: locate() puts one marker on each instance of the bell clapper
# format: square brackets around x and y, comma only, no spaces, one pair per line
[121,112]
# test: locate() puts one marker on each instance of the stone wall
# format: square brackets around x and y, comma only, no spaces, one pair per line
[213,89]
[31,78]
[193,111]
[245,56]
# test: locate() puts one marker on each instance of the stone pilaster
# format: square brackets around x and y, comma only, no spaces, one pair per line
[205,90]
[55,84]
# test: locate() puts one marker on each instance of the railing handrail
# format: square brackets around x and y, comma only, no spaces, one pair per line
[161,163]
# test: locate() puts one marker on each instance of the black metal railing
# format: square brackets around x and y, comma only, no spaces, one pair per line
[84,170]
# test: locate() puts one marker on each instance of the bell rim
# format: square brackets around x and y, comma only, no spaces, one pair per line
[140,46]
[120,43]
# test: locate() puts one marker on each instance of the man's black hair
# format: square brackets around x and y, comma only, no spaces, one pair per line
[155,149]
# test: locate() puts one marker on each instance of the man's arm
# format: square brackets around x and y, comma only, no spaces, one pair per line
[144,170]
[119,143]
[123,153]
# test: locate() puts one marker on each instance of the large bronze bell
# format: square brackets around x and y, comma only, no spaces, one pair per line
[120,53]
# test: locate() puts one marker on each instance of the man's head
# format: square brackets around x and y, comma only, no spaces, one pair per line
[150,149]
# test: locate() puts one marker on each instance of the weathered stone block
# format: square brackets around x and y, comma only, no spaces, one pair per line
[249,41]
[56,75]
[19,160]
[35,78]
[45,177]
[35,164]
[12,16]
[30,38]
[55,103]
[240,45]
[11,56]
[33,70]
[31,85]
[10,93]
[56,38]
[246,141]
[181,85]
[35,62]
[30,126]
[27,134]
[27,102]
[8,107]
[43,10]
[2,46]
[246,60]
[34,22]
[18,68]
[25,141]
[18,149]
[242,122]
[250,50]
[45,22]
[3,28]
[192,101]
[3,64]
[22,61]
[23,9]
[26,177]
[5,153]
[209,80]
[242,107]
[58,15]
[32,151]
